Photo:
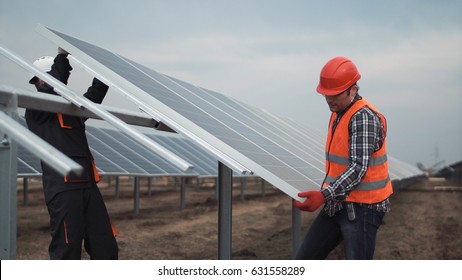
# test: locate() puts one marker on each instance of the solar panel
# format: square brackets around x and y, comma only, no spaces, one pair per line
[105,165]
[24,169]
[275,133]
[140,155]
[28,164]
[400,170]
[234,139]
[204,164]
[99,144]
[117,154]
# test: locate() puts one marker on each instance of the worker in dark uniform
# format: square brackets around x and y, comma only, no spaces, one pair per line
[75,205]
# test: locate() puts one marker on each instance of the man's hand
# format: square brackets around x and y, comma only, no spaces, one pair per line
[314,199]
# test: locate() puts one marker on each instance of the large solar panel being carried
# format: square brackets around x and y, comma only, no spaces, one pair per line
[236,134]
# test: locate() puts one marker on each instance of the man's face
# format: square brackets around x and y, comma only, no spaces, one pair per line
[339,102]
[41,86]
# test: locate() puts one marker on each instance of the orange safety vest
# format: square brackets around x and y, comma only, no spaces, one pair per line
[376,184]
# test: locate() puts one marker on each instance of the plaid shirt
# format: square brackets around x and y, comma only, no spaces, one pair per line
[366,136]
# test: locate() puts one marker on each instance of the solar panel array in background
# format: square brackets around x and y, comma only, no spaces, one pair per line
[116,154]
[28,163]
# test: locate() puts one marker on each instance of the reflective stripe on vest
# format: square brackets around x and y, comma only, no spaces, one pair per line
[365,186]
[346,161]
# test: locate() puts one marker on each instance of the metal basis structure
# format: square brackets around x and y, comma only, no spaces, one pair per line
[31,152]
[12,133]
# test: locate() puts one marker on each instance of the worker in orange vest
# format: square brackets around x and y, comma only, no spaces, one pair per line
[357,187]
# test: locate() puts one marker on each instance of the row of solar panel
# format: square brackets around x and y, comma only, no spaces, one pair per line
[117,154]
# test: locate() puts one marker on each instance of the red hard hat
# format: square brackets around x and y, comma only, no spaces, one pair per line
[337,76]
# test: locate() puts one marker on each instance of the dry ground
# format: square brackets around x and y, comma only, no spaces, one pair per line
[424,224]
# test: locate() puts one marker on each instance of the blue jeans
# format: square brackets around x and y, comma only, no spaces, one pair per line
[328,232]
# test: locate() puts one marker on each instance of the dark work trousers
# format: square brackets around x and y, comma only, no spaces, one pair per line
[81,215]
[327,232]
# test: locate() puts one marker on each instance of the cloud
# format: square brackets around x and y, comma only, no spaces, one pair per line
[425,68]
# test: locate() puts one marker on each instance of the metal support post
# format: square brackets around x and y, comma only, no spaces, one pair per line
[8,189]
[243,187]
[216,189]
[183,193]
[149,186]
[263,187]
[198,184]
[225,201]
[175,183]
[296,229]
[25,191]
[136,195]
[117,187]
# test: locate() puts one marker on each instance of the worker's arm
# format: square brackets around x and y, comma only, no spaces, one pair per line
[61,68]
[97,91]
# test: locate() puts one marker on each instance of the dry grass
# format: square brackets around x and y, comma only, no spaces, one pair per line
[422,224]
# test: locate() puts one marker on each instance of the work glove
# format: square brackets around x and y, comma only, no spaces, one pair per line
[314,199]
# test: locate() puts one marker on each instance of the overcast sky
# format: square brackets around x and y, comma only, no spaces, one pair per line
[269,54]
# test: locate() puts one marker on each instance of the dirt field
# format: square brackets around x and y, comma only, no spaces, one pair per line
[424,223]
